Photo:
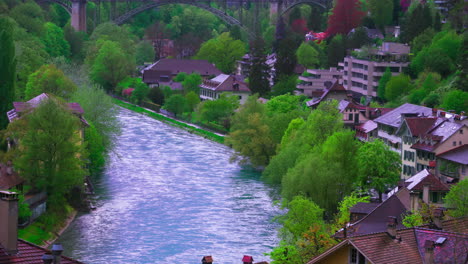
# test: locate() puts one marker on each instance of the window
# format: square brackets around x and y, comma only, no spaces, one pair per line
[350,117]
[454,143]
[459,143]
[435,197]
[353,256]
[461,131]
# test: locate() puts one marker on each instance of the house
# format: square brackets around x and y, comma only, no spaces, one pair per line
[395,245]
[316,80]
[361,73]
[389,123]
[335,92]
[453,163]
[213,88]
[163,71]
[366,131]
[355,113]
[14,250]
[360,210]
[423,187]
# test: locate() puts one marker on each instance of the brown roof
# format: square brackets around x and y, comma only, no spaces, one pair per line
[408,247]
[335,88]
[363,208]
[172,67]
[29,253]
[420,125]
[435,184]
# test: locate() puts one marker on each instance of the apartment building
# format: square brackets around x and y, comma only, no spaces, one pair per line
[364,68]
[317,80]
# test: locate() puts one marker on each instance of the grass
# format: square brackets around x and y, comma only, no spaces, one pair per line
[170,121]
[45,227]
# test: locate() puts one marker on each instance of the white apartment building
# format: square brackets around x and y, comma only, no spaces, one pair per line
[361,73]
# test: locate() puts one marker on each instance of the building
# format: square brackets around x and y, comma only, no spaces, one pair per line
[335,92]
[389,123]
[406,245]
[355,114]
[317,80]
[213,88]
[163,71]
[363,70]
[453,164]
[17,251]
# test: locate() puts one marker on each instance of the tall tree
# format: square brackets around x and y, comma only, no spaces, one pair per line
[336,50]
[383,83]
[52,160]
[285,58]
[111,65]
[415,22]
[397,86]
[346,15]
[381,12]
[49,79]
[8,69]
[307,56]
[54,41]
[259,71]
[378,166]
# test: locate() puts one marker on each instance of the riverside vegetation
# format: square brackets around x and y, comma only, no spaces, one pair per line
[309,154]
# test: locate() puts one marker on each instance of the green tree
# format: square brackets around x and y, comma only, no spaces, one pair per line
[456,100]
[192,100]
[54,41]
[144,52]
[96,149]
[259,74]
[8,69]
[180,77]
[156,95]
[358,38]
[378,166]
[457,199]
[343,216]
[422,40]
[415,22]
[112,32]
[191,83]
[286,85]
[336,50]
[100,112]
[286,59]
[307,56]
[383,83]
[223,51]
[29,16]
[176,104]
[140,93]
[76,39]
[397,86]
[111,65]
[461,81]
[381,12]
[218,110]
[53,159]
[249,135]
[49,79]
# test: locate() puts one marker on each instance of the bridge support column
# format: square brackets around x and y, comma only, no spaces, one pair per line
[276,7]
[78,17]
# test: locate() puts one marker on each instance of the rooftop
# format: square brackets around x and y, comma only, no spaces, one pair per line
[29,253]
[393,118]
[458,155]
[174,66]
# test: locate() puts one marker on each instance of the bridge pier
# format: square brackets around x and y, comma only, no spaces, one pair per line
[78,17]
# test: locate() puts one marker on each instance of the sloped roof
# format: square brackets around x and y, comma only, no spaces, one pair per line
[225,83]
[336,87]
[393,118]
[8,181]
[367,126]
[29,253]
[458,155]
[408,247]
[420,125]
[174,66]
[21,107]
[363,208]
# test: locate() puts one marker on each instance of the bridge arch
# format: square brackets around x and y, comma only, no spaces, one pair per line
[65,4]
[290,5]
[225,17]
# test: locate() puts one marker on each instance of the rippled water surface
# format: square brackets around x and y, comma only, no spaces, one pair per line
[168,196]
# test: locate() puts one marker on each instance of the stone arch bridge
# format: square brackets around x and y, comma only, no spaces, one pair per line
[77,8]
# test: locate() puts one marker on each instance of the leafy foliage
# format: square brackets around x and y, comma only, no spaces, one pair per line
[397,86]
[456,100]
[219,110]
[54,41]
[346,15]
[383,83]
[8,70]
[49,79]
[381,12]
[457,199]
[307,56]
[191,83]
[259,71]
[176,104]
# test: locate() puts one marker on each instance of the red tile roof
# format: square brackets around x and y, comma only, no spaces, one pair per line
[7,180]
[420,125]
[29,253]
[435,184]
[247,258]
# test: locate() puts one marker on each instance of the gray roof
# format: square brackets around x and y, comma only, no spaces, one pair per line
[393,118]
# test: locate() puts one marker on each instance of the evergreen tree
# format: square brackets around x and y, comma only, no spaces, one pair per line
[259,71]
[285,58]
[381,12]
[416,22]
[462,78]
[336,50]
[7,69]
[383,82]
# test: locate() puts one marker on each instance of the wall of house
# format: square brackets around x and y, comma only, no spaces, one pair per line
[408,155]
[351,111]
[340,256]
[457,139]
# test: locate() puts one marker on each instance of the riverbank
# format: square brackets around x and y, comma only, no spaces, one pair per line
[190,128]
[47,228]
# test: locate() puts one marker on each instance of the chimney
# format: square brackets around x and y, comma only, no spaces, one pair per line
[57,250]
[47,258]
[434,112]
[429,252]
[391,226]
[438,217]
[426,194]
[247,259]
[207,260]
[442,114]
[9,221]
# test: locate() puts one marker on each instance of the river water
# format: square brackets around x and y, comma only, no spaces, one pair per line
[168,196]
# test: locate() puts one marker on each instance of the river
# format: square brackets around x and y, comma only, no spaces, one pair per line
[168,196]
